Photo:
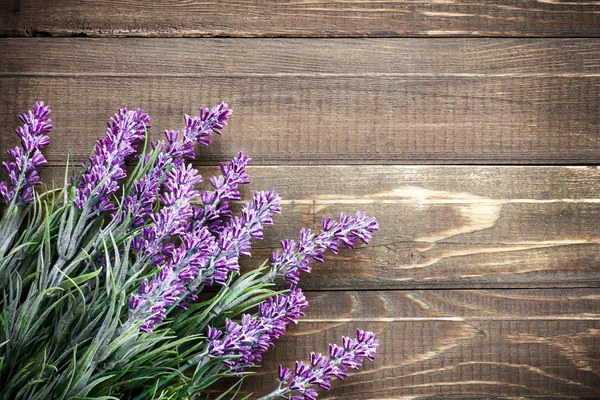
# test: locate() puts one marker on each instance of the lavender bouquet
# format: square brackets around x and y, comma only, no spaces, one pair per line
[128,286]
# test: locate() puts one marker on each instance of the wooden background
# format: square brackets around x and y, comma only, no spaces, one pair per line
[470,129]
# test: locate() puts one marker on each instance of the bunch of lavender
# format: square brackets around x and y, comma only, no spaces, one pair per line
[128,285]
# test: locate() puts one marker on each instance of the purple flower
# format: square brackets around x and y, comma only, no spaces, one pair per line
[296,257]
[212,262]
[197,129]
[172,152]
[173,217]
[216,203]
[140,204]
[254,335]
[234,238]
[27,157]
[106,167]
[169,284]
[321,370]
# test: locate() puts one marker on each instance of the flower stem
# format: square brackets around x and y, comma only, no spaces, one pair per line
[278,393]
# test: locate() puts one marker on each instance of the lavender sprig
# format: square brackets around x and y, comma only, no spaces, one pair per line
[299,384]
[216,203]
[197,130]
[296,257]
[27,157]
[254,335]
[106,166]
[234,238]
[140,203]
[201,259]
[172,152]
[168,285]
[173,217]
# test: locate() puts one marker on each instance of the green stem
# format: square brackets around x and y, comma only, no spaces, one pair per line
[13,215]
[278,393]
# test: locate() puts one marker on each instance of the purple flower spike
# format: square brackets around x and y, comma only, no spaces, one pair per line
[106,167]
[168,286]
[216,203]
[346,231]
[260,212]
[173,151]
[27,158]
[197,130]
[209,121]
[301,381]
[296,257]
[173,217]
[234,238]
[255,335]
[140,204]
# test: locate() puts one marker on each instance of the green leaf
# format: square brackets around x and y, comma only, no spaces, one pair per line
[237,385]
[93,384]
[73,284]
[79,280]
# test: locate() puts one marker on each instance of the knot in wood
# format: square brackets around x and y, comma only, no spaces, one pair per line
[414,257]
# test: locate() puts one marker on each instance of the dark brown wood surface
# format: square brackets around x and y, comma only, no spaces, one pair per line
[412,101]
[503,343]
[441,227]
[300,18]
[484,281]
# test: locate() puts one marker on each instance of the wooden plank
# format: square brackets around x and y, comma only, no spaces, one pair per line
[451,227]
[476,344]
[442,227]
[231,57]
[244,18]
[508,110]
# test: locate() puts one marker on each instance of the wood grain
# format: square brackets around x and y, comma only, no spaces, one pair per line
[246,18]
[366,105]
[441,227]
[256,57]
[484,281]
[448,227]
[498,343]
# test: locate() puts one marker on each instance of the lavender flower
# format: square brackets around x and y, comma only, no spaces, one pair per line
[172,152]
[197,129]
[216,203]
[140,204]
[255,335]
[234,239]
[203,259]
[168,285]
[299,384]
[27,157]
[173,217]
[106,167]
[295,258]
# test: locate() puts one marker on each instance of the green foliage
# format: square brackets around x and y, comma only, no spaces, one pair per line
[81,290]
[65,277]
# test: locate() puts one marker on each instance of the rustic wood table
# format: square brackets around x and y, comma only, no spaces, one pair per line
[469,129]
